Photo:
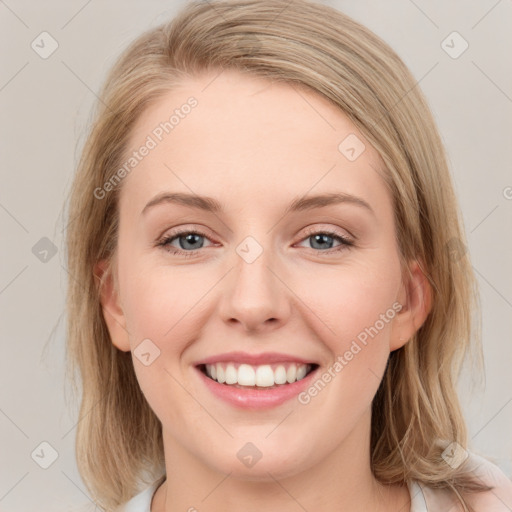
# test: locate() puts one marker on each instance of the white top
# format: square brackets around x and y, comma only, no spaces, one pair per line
[423,498]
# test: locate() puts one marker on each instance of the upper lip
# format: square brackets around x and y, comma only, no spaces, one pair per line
[253,359]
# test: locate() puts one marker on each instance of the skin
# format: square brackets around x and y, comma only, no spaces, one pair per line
[254,146]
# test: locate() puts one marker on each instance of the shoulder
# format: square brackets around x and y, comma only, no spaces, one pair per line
[498,499]
[141,502]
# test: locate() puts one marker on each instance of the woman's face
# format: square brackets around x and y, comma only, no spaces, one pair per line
[274,283]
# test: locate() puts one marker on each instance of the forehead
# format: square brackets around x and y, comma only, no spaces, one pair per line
[243,138]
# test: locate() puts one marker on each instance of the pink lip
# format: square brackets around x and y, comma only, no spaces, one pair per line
[254,359]
[256,398]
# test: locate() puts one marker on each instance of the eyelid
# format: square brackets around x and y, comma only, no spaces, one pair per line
[203,231]
[175,233]
[346,242]
[315,228]
[185,229]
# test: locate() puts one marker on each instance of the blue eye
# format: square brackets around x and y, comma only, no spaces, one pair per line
[190,242]
[323,238]
[186,239]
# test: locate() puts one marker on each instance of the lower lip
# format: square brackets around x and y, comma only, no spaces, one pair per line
[256,398]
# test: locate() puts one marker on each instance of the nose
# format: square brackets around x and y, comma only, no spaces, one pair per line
[254,297]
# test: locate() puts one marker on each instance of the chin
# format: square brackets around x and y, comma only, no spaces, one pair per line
[276,464]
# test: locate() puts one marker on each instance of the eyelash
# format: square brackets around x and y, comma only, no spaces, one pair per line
[345,244]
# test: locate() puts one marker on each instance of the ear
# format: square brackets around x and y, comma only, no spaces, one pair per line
[415,297]
[112,311]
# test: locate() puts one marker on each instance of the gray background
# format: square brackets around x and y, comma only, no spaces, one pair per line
[45,105]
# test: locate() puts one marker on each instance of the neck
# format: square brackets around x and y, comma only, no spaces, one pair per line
[342,481]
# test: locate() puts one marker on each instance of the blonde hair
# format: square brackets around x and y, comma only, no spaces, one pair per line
[119,438]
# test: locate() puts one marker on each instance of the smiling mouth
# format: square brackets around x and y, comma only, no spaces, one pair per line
[266,376]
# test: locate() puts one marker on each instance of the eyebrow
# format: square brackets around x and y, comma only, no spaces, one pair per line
[209,204]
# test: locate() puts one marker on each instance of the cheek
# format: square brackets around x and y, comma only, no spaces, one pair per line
[358,306]
[352,300]
[160,302]
[160,318]
[163,309]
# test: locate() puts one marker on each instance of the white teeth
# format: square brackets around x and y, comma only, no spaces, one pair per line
[221,376]
[231,374]
[291,374]
[280,375]
[301,372]
[246,375]
[264,376]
